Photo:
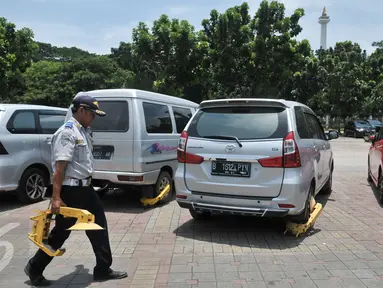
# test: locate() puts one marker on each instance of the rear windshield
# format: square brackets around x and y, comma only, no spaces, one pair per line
[116,118]
[245,123]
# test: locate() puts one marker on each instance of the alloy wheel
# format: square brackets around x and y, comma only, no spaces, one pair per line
[34,186]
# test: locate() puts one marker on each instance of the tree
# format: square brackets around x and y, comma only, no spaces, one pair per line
[56,83]
[16,50]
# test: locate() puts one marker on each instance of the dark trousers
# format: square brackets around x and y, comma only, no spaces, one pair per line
[82,198]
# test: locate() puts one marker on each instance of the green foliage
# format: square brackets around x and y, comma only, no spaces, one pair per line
[235,54]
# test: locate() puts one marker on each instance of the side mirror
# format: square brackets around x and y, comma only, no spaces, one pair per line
[332,134]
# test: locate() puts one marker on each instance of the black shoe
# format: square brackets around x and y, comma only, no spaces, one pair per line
[36,279]
[110,275]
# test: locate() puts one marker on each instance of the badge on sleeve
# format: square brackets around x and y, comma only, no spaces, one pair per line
[65,138]
[69,125]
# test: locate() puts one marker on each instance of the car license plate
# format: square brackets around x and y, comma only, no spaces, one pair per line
[102,152]
[235,169]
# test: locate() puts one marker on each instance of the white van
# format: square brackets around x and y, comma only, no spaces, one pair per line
[136,142]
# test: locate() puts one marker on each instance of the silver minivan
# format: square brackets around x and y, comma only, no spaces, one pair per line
[135,144]
[25,148]
[261,157]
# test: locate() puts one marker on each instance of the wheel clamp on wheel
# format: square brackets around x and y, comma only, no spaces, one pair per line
[153,201]
[299,229]
[42,222]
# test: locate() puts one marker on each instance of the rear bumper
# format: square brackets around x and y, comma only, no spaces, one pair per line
[293,192]
[223,209]
[148,178]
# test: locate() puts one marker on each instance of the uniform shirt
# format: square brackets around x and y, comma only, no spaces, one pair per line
[72,142]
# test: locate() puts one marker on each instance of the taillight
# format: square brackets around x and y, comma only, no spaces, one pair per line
[182,155]
[291,157]
[3,151]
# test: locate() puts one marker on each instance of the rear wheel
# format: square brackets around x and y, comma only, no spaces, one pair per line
[305,215]
[32,185]
[197,215]
[163,180]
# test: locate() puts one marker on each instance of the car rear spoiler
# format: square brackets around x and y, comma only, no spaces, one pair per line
[242,102]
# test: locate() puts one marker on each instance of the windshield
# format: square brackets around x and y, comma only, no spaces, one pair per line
[245,123]
[362,124]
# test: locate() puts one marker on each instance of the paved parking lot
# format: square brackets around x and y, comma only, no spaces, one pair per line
[164,247]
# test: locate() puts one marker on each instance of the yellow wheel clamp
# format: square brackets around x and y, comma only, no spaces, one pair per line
[299,229]
[42,223]
[153,201]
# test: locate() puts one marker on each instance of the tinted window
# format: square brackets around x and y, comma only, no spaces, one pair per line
[116,118]
[242,122]
[182,116]
[157,118]
[316,131]
[22,122]
[50,123]
[300,120]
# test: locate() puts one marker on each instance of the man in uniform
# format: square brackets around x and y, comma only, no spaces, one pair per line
[72,162]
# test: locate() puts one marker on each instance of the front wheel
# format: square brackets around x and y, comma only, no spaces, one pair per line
[369,178]
[327,188]
[380,188]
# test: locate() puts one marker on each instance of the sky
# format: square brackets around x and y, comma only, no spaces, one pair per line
[98,25]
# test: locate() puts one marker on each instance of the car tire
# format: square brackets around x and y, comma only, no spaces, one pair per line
[327,188]
[380,188]
[164,179]
[199,215]
[305,215]
[31,185]
[369,178]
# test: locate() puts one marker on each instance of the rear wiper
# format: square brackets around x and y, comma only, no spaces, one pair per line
[225,138]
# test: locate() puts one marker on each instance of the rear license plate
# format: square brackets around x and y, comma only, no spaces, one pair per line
[102,152]
[235,169]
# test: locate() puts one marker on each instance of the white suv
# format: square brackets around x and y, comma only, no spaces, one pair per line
[261,157]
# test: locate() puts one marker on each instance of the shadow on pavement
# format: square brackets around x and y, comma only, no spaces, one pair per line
[74,279]
[245,231]
[127,201]
[9,201]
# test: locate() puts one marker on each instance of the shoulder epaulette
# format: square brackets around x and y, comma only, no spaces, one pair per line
[69,125]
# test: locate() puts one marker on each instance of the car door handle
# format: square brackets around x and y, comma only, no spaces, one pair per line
[48,140]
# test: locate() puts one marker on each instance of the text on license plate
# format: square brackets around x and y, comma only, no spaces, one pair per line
[236,169]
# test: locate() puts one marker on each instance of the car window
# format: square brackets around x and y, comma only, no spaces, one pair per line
[49,123]
[116,118]
[157,118]
[22,122]
[303,130]
[182,117]
[245,123]
[316,130]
